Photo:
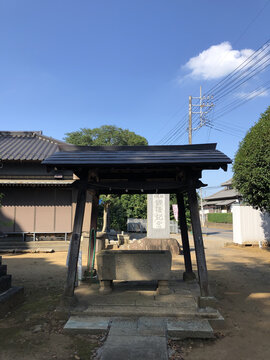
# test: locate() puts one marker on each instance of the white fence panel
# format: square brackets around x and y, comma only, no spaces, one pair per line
[250,225]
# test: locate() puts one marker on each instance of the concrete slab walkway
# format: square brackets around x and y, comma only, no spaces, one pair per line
[138,319]
[133,339]
[138,338]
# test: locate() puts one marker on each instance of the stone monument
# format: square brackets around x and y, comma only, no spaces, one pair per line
[158,216]
[158,227]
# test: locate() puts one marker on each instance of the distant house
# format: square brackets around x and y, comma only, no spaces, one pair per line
[223,199]
[34,201]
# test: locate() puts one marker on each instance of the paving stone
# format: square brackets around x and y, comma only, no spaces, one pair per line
[134,348]
[152,326]
[143,326]
[200,329]
[139,299]
[104,300]
[91,324]
[138,311]
[124,327]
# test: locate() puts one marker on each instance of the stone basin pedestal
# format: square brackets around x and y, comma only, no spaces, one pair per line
[134,265]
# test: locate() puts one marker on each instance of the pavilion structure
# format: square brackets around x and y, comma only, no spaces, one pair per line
[140,170]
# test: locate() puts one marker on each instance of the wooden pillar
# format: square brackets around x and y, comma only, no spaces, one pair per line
[93,225]
[198,241]
[75,241]
[188,274]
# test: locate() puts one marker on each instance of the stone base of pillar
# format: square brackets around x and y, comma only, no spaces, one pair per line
[189,276]
[207,301]
[163,287]
[105,287]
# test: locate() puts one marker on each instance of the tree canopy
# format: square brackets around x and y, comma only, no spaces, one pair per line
[105,135]
[123,207]
[252,165]
[118,207]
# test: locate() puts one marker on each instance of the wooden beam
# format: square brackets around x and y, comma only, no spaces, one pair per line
[134,185]
[188,274]
[123,191]
[198,241]
[75,241]
[93,224]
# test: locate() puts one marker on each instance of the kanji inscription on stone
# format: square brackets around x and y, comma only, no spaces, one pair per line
[158,211]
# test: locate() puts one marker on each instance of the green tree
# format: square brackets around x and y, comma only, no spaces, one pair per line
[252,164]
[105,135]
[119,208]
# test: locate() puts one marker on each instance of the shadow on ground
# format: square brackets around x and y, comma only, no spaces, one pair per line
[34,330]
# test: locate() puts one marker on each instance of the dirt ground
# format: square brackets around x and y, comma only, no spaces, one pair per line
[35,329]
[239,278]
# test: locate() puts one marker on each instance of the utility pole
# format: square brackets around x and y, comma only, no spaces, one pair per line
[203,121]
[190,120]
[204,108]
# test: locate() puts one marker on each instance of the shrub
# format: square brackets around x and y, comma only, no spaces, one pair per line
[252,165]
[225,218]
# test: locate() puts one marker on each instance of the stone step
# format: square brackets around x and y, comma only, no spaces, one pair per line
[89,324]
[152,311]
[5,283]
[196,329]
[10,298]
[141,326]
[3,270]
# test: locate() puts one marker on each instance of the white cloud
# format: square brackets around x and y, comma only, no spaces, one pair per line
[216,61]
[256,93]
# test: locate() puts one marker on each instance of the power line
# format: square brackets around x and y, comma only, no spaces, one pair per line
[258,61]
[243,79]
[245,100]
[170,118]
[238,68]
[250,75]
[252,21]
[170,135]
[248,96]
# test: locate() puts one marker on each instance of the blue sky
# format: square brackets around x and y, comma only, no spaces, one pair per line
[66,65]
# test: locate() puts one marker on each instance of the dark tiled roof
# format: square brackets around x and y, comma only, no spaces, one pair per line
[220,202]
[223,194]
[205,155]
[227,183]
[26,145]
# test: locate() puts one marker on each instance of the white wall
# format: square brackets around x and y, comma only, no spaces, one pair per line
[250,225]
